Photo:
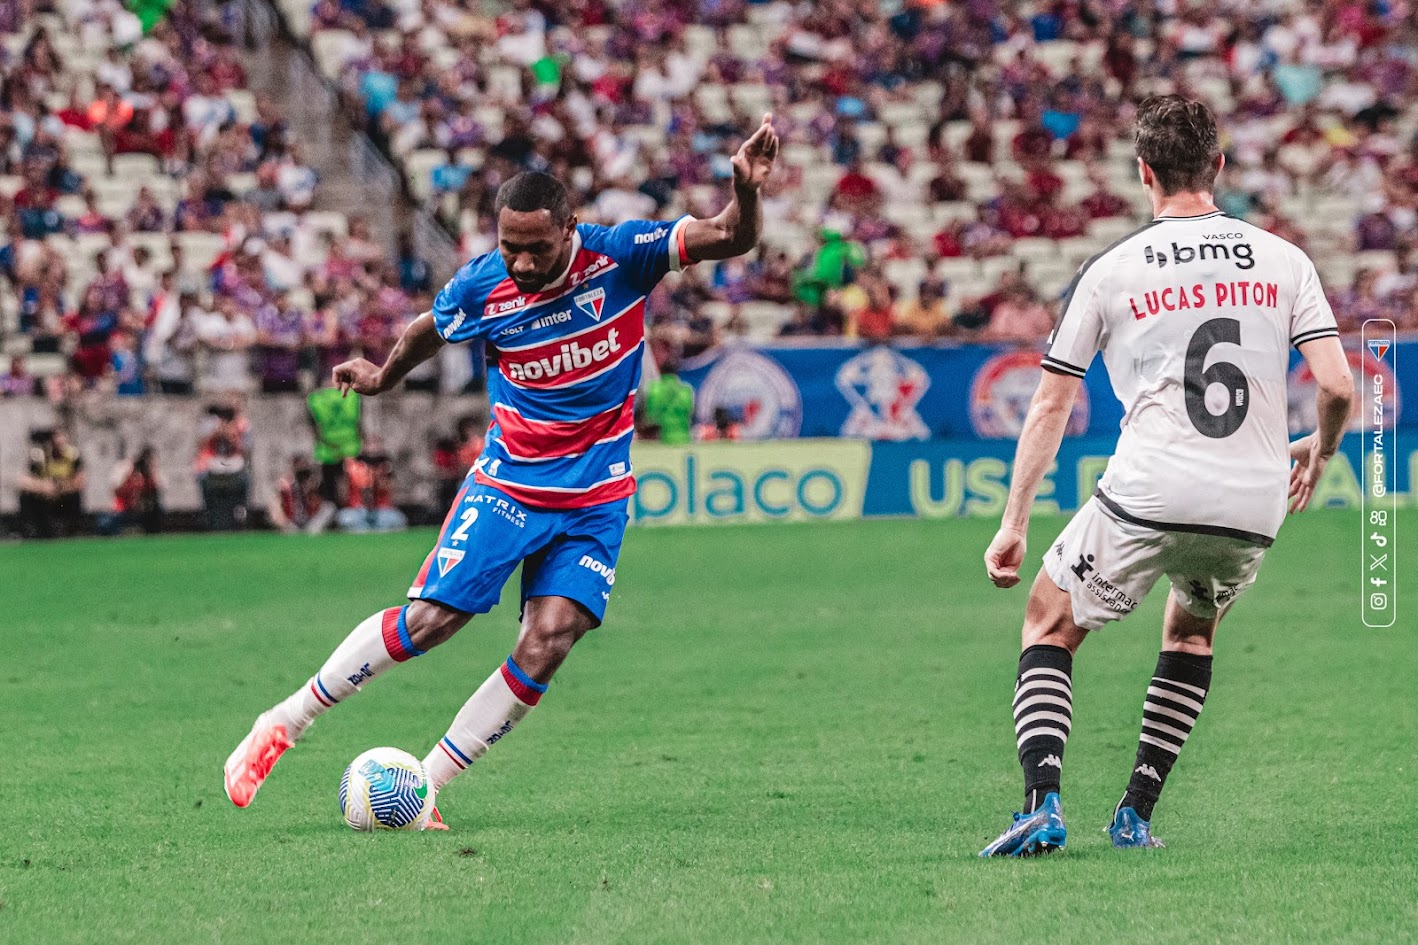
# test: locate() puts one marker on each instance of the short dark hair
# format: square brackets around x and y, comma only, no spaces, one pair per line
[1177,138]
[530,191]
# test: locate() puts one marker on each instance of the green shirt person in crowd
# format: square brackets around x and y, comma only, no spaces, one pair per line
[335,419]
[830,268]
[669,405]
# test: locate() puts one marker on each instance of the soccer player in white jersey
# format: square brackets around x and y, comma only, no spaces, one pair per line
[1194,314]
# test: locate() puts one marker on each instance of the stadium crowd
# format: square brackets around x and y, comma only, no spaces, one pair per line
[157,226]
[946,165]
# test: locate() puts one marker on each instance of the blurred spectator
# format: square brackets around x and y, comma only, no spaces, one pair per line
[126,366]
[52,487]
[137,489]
[834,265]
[17,382]
[926,316]
[298,505]
[414,274]
[223,468]
[174,348]
[335,421]
[227,335]
[448,473]
[724,427]
[1019,316]
[454,456]
[280,334]
[868,304]
[370,504]
[669,408]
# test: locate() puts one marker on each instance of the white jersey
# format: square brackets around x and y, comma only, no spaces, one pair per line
[1195,317]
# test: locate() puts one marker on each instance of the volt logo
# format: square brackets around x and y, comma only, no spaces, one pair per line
[592,302]
[364,673]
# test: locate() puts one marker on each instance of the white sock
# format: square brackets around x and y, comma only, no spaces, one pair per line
[497,706]
[372,647]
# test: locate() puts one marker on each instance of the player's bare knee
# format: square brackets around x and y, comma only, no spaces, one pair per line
[430,623]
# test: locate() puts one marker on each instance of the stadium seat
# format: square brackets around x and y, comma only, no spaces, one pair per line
[1036,249]
[956,270]
[1110,229]
[947,213]
[1376,260]
[201,248]
[905,275]
[326,221]
[992,267]
[135,165]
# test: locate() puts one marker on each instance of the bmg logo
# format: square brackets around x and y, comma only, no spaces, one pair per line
[1239,253]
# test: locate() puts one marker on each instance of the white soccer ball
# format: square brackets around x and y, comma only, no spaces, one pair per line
[386,789]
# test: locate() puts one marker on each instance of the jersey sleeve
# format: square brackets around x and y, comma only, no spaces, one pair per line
[1079,332]
[1311,317]
[458,309]
[647,249]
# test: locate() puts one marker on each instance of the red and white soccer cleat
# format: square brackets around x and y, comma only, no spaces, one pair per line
[253,759]
[435,821]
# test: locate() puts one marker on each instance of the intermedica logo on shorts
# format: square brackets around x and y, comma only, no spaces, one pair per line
[607,572]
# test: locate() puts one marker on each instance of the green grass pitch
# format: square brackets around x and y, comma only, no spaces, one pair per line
[782,734]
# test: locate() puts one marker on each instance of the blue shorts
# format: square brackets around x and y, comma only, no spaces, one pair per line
[563,552]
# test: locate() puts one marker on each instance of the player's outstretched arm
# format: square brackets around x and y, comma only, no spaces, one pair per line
[419,342]
[1334,399]
[1038,445]
[734,231]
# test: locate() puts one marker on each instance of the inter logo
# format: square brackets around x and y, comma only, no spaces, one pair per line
[1378,348]
[592,302]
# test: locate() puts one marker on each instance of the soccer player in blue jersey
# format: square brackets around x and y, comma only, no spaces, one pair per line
[561,307]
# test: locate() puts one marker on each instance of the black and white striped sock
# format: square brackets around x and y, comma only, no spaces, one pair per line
[1043,717]
[1174,700]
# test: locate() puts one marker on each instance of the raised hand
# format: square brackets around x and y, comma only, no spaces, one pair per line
[359,376]
[754,160]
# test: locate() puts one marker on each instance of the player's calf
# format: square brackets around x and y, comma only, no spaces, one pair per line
[550,628]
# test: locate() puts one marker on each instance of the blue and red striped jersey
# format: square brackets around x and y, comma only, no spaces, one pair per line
[568,362]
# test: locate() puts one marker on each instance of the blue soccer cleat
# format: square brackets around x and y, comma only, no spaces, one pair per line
[1032,834]
[1129,831]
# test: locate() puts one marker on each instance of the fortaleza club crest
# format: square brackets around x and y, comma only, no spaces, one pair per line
[1002,389]
[754,389]
[1378,348]
[448,558]
[883,386]
[591,302]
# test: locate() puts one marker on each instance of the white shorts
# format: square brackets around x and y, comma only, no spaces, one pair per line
[1108,566]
